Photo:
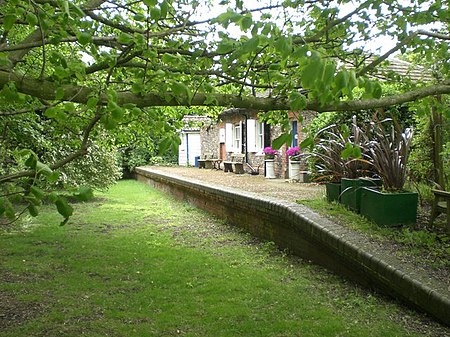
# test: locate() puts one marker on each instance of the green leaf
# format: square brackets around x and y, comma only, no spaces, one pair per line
[341,80]
[4,60]
[32,19]
[181,89]
[328,73]
[297,101]
[139,17]
[283,46]
[164,9]
[92,102]
[9,210]
[63,207]
[52,178]
[312,72]
[284,138]
[8,21]
[377,90]
[31,161]
[52,112]
[135,112]
[137,88]
[210,100]
[251,45]
[225,47]
[117,112]
[246,23]
[109,123]
[351,151]
[164,145]
[84,38]
[155,13]
[59,94]
[308,142]
[32,200]
[125,38]
[77,10]
[84,194]
[33,210]
[150,3]
[169,59]
[37,192]
[43,169]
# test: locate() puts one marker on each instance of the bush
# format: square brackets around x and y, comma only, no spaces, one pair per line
[131,157]
[98,168]
[421,159]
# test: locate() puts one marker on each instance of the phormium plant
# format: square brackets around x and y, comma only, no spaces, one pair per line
[388,151]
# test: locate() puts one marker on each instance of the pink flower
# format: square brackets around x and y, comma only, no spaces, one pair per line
[270,153]
[293,151]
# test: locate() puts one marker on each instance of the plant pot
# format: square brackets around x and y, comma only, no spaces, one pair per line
[269,171]
[351,191]
[389,209]
[294,170]
[333,190]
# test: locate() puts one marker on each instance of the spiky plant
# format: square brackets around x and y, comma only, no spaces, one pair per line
[389,151]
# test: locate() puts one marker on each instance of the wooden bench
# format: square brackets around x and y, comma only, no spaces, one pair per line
[236,164]
[209,162]
[441,204]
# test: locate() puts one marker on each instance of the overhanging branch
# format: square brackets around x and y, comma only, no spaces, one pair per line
[79,94]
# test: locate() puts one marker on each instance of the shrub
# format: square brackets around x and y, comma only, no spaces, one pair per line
[98,168]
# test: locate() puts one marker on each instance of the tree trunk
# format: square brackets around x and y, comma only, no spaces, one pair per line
[436,134]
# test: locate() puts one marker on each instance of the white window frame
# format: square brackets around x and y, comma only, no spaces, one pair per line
[259,136]
[237,137]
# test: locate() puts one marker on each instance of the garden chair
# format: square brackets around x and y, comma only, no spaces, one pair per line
[441,204]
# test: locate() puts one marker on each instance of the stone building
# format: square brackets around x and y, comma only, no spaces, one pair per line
[240,131]
[190,146]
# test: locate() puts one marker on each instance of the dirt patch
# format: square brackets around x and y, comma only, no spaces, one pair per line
[14,312]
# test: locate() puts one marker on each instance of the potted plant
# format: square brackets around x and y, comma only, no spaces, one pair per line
[269,158]
[357,167]
[328,162]
[340,162]
[294,155]
[388,151]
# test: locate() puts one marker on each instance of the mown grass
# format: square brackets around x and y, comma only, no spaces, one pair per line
[138,263]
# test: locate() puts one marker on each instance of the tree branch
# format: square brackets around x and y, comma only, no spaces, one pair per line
[433,34]
[79,94]
[383,57]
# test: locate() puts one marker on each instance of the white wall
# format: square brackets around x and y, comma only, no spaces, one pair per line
[190,147]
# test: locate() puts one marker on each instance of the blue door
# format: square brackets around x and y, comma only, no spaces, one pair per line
[294,134]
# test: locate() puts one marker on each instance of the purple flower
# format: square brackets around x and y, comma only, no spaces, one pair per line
[269,152]
[293,151]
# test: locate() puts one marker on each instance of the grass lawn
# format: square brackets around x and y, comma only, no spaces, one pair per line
[135,262]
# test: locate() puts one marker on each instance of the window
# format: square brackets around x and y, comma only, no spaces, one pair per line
[237,136]
[259,136]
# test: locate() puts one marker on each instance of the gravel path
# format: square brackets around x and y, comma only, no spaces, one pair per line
[277,188]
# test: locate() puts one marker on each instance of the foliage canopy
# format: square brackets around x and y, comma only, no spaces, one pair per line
[90,67]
